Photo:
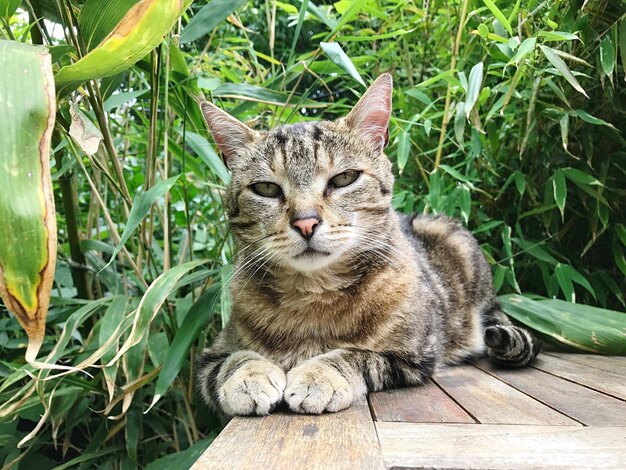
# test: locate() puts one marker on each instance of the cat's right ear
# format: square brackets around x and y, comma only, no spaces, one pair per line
[230,134]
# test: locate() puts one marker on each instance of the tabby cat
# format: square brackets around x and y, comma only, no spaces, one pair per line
[334,293]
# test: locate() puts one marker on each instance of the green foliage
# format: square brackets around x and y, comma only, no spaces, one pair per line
[508,115]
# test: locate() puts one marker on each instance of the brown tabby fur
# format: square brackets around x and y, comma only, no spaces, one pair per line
[383,302]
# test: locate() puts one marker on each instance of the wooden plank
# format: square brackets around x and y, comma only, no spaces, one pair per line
[409,445]
[422,404]
[344,440]
[611,383]
[615,364]
[583,404]
[491,401]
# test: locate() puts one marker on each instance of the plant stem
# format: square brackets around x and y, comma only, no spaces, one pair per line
[455,54]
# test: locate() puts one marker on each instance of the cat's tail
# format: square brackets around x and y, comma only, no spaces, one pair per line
[508,344]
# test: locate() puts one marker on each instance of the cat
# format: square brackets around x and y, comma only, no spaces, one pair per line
[334,293]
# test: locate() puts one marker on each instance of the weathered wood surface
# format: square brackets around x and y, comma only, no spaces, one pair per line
[345,440]
[567,411]
[502,446]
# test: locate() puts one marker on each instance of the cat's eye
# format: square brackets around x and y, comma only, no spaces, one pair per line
[344,179]
[267,189]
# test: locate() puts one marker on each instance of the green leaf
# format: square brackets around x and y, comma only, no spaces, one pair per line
[585,116]
[459,122]
[243,91]
[474,85]
[8,8]
[208,155]
[28,241]
[141,207]
[583,327]
[335,53]
[152,301]
[142,28]
[560,192]
[499,15]
[404,146]
[178,352]
[622,44]
[465,203]
[558,36]
[562,67]
[118,99]
[209,16]
[99,17]
[580,177]
[565,282]
[620,229]
[183,459]
[607,56]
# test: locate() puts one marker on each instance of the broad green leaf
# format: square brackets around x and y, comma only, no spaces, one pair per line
[142,28]
[607,56]
[465,203]
[562,67]
[8,7]
[499,15]
[620,229]
[28,248]
[335,53]
[583,327]
[99,17]
[209,16]
[178,352]
[207,154]
[474,85]
[560,192]
[558,36]
[619,258]
[581,177]
[404,146]
[152,301]
[141,207]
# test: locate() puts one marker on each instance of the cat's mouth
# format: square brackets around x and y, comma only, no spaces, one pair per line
[311,252]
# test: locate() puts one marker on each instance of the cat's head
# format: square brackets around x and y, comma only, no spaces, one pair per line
[309,195]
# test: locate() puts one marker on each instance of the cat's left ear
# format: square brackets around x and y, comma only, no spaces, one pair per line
[371,114]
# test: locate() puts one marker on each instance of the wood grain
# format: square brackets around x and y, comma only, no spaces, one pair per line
[344,440]
[422,404]
[491,401]
[611,383]
[409,445]
[615,364]
[583,404]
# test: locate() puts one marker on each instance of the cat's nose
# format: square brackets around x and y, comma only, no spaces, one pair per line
[306,227]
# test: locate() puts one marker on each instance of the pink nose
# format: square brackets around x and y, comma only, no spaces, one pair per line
[306,227]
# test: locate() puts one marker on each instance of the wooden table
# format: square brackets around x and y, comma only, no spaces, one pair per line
[567,411]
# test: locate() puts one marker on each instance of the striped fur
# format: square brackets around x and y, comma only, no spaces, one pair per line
[373,300]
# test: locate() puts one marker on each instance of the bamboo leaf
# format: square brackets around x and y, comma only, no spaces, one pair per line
[474,85]
[141,207]
[558,36]
[404,145]
[178,352]
[583,327]
[84,132]
[562,67]
[8,8]
[208,155]
[209,16]
[335,53]
[607,56]
[28,249]
[560,191]
[565,282]
[141,29]
[499,15]
[152,301]
[585,116]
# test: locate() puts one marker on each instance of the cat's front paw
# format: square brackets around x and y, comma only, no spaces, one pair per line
[314,387]
[254,388]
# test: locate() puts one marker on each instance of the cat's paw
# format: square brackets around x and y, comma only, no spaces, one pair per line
[254,388]
[314,387]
